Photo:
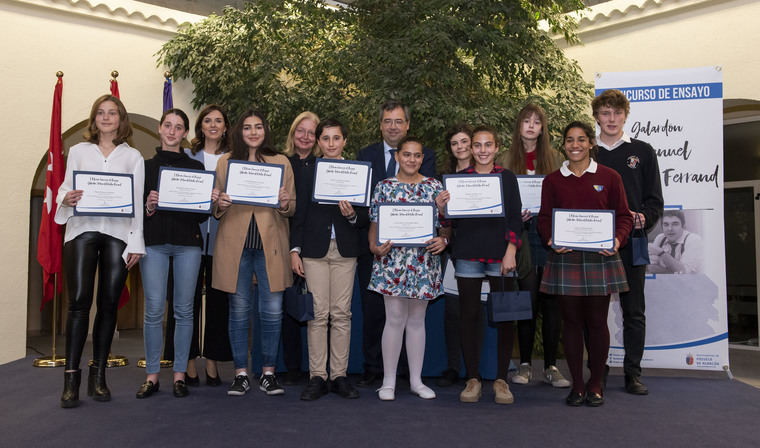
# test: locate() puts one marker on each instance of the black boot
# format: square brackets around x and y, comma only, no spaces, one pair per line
[70,395]
[96,384]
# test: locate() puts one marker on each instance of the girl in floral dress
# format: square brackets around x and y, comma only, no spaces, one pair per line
[407,277]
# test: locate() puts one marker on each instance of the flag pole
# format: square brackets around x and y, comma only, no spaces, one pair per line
[53,360]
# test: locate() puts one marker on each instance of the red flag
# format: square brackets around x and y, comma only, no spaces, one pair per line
[115,88]
[50,241]
[124,297]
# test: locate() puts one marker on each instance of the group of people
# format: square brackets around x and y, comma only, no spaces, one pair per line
[246,255]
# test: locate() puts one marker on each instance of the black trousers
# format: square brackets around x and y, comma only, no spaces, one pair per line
[216,340]
[292,345]
[470,309]
[81,257]
[373,320]
[633,305]
[551,323]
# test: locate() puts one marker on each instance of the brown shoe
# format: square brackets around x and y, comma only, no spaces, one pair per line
[501,392]
[472,391]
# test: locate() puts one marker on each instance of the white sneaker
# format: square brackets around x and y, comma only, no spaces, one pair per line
[553,376]
[386,394]
[523,375]
[423,392]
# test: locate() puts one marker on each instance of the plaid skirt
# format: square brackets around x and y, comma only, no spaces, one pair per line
[580,273]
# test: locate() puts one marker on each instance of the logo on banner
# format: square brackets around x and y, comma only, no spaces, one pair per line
[633,162]
[598,187]
[689,359]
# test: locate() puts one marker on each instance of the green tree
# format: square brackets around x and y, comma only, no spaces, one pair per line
[478,61]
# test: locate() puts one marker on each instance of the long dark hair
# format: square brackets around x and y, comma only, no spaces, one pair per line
[454,130]
[199,141]
[240,148]
[546,158]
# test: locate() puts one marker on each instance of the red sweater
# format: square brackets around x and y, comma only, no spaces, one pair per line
[602,190]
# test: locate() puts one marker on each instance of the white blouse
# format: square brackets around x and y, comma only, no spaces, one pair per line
[123,160]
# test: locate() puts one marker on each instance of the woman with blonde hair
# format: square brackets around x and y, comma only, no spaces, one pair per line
[301,149]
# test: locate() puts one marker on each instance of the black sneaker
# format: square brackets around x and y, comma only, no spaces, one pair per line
[268,383]
[239,386]
[343,387]
[316,388]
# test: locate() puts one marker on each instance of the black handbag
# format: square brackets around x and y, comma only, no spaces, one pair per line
[506,306]
[639,244]
[299,303]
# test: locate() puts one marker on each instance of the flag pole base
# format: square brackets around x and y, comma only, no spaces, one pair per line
[114,361]
[49,361]
[165,363]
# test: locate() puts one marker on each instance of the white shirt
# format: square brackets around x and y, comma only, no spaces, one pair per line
[689,251]
[565,170]
[625,138]
[123,160]
[387,152]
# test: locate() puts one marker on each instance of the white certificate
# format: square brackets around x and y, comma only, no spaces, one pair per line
[530,192]
[405,224]
[341,180]
[474,195]
[185,190]
[589,230]
[104,194]
[254,183]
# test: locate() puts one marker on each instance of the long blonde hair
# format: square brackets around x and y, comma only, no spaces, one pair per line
[290,147]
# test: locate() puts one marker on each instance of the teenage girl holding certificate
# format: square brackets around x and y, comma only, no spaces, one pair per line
[407,277]
[112,245]
[169,235]
[583,281]
[485,248]
[254,240]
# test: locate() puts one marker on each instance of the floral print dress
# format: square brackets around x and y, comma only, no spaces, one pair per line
[411,272]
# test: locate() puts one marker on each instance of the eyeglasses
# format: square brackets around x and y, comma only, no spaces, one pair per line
[302,132]
[397,122]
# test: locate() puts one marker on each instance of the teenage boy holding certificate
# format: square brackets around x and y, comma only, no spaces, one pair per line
[325,242]
[583,280]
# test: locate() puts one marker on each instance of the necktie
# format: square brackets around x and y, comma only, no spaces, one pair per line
[390,170]
[673,248]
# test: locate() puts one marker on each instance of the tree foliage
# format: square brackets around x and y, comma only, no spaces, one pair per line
[478,61]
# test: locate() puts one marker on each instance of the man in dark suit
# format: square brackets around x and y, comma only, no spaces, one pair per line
[394,124]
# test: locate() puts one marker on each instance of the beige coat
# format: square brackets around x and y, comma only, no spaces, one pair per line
[273,227]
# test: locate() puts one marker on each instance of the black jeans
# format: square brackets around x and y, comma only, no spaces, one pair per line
[373,317]
[81,257]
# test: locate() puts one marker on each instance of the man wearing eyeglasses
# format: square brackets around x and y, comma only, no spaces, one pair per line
[394,124]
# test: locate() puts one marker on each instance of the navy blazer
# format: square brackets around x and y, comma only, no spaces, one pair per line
[311,226]
[375,153]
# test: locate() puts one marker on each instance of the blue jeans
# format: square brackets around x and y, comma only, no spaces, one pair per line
[154,268]
[241,304]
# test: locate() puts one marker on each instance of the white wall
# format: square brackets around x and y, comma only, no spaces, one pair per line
[662,34]
[86,42]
